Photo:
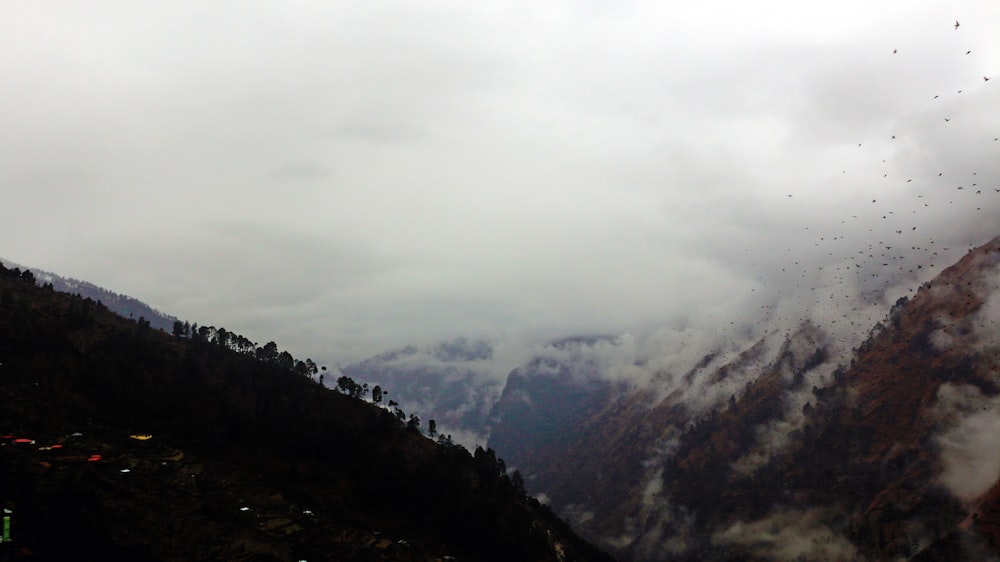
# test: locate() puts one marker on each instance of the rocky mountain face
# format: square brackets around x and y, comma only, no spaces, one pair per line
[121,442]
[887,451]
[545,400]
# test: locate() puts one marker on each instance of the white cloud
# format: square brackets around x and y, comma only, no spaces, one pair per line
[970,443]
[987,319]
[349,179]
[790,535]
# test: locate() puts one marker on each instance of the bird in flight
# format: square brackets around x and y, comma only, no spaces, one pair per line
[956,24]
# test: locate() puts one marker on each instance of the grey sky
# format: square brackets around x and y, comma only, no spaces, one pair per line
[346,178]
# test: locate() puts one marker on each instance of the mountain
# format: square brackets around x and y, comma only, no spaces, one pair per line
[451,382]
[546,399]
[794,447]
[121,442]
[121,304]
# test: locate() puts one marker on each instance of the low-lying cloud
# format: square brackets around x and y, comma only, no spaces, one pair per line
[790,535]
[970,441]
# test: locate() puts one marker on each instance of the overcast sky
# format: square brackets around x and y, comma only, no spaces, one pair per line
[344,178]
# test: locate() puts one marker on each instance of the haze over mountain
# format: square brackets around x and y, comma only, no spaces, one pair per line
[349,180]
[124,305]
[793,447]
[802,445]
[454,383]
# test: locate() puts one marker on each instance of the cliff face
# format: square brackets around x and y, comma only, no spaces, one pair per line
[543,400]
[888,453]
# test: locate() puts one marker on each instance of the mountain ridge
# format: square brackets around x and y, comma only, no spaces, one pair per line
[123,442]
[859,450]
[123,305]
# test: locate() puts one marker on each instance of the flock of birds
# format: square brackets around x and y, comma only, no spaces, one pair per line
[840,290]
[898,249]
[844,279]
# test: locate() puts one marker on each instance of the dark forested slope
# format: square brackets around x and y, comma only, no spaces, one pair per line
[122,442]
